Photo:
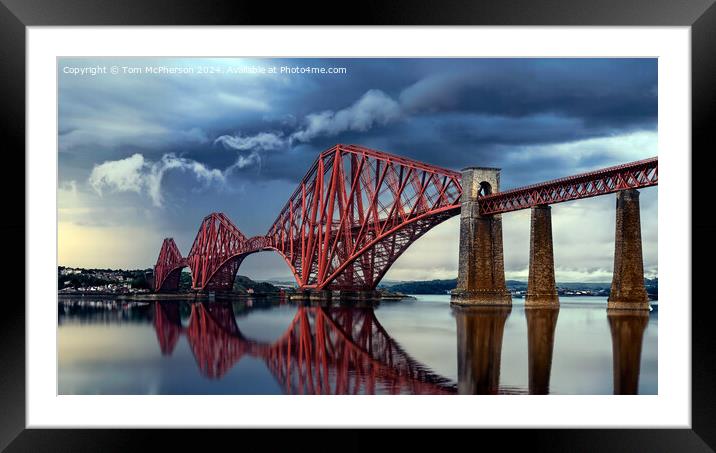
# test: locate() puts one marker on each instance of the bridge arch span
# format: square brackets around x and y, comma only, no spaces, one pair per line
[173,278]
[224,276]
[167,270]
[217,252]
[356,211]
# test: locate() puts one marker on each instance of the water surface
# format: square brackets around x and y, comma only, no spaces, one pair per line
[418,346]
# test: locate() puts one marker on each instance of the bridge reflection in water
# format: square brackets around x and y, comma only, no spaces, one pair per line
[541,324]
[325,350]
[627,328]
[479,348]
[345,350]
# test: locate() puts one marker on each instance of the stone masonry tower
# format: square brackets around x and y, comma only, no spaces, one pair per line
[481,272]
[628,291]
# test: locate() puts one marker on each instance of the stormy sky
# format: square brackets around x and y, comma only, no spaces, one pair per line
[146,155]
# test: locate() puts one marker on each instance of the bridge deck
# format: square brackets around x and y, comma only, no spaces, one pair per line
[357,210]
[634,175]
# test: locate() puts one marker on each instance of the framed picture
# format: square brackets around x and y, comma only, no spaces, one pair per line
[431,218]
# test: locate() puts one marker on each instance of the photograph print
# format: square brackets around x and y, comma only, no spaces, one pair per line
[432,226]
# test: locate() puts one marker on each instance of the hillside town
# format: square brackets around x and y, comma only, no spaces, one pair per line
[102,281]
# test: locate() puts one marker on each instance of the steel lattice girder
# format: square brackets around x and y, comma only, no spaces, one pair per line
[357,210]
[217,252]
[168,267]
[634,175]
[343,226]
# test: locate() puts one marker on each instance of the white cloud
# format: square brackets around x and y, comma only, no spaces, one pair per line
[135,174]
[372,109]
[171,162]
[244,161]
[122,175]
[267,141]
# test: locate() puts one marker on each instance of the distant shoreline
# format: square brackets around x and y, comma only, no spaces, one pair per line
[197,296]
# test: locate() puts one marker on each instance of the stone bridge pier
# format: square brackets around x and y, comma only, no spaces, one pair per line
[481,268]
[541,286]
[628,290]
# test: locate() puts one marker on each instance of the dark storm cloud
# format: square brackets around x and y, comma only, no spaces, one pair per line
[457,112]
[262,132]
[608,92]
[483,102]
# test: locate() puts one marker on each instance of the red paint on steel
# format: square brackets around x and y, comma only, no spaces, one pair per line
[217,252]
[169,264]
[357,210]
[355,213]
[634,175]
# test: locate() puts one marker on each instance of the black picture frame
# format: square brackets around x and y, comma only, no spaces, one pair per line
[16,15]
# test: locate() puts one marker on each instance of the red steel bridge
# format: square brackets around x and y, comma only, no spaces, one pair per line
[335,350]
[357,210]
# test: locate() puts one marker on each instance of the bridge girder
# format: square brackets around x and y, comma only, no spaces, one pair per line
[357,210]
[634,175]
[168,266]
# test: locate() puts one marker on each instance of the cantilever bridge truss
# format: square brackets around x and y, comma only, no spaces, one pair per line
[169,265]
[357,210]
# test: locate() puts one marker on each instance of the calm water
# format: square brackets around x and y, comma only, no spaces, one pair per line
[414,346]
